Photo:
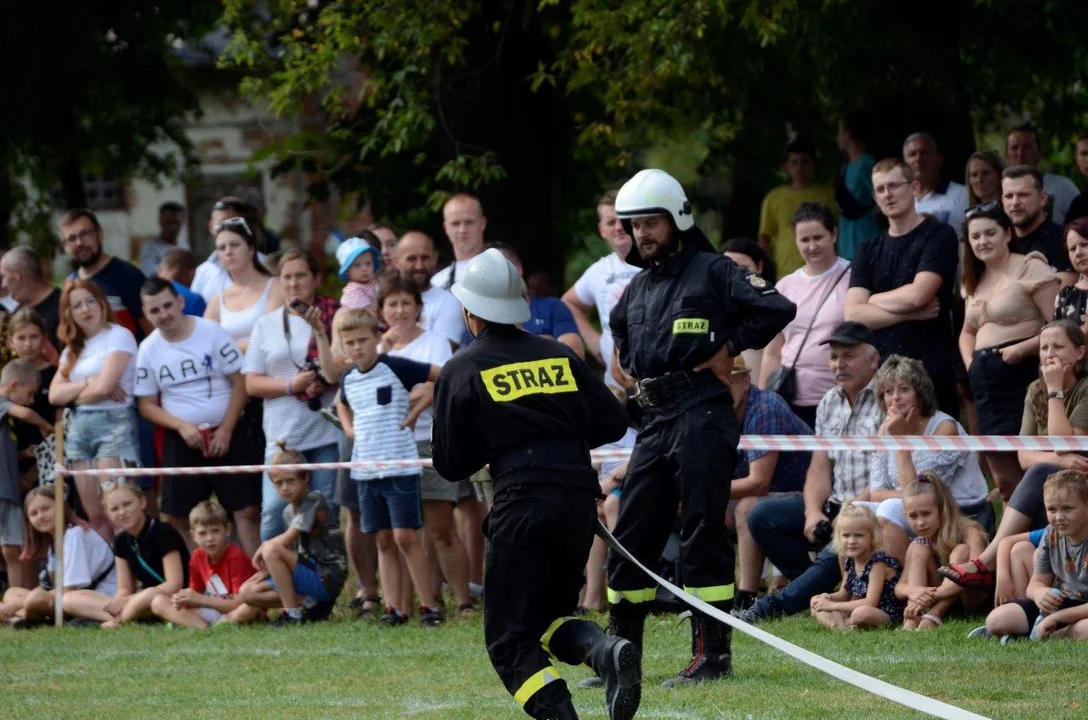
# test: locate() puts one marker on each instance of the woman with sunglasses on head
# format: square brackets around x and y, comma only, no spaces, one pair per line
[1009,297]
[983,177]
[253,292]
[1072,300]
[97,375]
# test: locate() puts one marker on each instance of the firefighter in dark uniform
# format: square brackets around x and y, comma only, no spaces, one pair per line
[677,327]
[530,408]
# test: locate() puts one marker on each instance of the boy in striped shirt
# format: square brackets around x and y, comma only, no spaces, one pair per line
[376,412]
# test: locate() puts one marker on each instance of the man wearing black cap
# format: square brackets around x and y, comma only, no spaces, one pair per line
[785,528]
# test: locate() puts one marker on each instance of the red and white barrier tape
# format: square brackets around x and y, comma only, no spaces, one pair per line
[787,443]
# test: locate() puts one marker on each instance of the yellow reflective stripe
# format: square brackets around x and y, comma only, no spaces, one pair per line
[533,684]
[715,593]
[633,596]
[546,638]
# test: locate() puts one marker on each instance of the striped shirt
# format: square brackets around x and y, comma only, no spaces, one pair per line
[378,399]
[835,416]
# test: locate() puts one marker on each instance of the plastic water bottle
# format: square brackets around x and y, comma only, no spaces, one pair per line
[1035,628]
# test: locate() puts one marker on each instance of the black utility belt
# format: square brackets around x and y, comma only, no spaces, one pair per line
[542,454]
[652,392]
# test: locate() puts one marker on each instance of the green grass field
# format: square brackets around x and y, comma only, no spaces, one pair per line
[355,669]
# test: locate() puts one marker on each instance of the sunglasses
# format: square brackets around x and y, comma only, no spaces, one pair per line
[236,206]
[116,482]
[980,209]
[235,224]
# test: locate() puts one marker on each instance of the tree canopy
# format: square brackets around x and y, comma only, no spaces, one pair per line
[93,88]
[540,105]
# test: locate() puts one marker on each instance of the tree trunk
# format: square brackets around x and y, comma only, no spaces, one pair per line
[5,205]
[70,173]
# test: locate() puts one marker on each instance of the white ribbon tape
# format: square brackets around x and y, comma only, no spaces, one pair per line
[908,698]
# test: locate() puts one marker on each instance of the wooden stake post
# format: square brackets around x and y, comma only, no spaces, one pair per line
[58,528]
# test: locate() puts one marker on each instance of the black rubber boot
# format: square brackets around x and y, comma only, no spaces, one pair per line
[562,710]
[711,652]
[629,628]
[615,659]
[626,624]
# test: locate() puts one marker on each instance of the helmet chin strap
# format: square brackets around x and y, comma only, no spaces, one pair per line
[468,317]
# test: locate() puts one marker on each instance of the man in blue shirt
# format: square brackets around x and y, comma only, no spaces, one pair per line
[549,315]
[760,474]
[179,267]
[854,186]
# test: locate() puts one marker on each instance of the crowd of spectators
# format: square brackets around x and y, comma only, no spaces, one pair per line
[925,307]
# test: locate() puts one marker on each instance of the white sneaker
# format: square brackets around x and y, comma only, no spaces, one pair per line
[979,632]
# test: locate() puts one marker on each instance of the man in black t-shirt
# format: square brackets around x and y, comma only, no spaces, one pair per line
[24,278]
[1025,200]
[902,282]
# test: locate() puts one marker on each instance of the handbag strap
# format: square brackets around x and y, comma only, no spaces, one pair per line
[819,307]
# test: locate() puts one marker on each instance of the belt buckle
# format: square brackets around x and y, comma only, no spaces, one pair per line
[644,396]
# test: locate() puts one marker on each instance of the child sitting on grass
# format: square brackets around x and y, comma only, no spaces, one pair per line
[217,571]
[1015,565]
[1058,591]
[943,536]
[90,573]
[151,557]
[307,565]
[19,382]
[867,596]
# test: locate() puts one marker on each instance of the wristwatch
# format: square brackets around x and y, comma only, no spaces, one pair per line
[1056,395]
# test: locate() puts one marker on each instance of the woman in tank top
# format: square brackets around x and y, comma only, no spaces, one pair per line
[252,293]
[1009,297]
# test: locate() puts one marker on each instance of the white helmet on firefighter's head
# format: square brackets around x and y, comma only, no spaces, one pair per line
[654,192]
[491,288]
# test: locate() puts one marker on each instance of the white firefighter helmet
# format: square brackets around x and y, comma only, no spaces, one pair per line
[654,192]
[491,288]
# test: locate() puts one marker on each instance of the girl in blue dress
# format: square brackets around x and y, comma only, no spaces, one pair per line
[867,596]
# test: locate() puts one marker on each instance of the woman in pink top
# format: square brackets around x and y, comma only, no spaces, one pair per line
[1009,298]
[824,275]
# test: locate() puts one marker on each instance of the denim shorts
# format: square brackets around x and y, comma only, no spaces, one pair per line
[11,524]
[100,435]
[389,503]
[307,580]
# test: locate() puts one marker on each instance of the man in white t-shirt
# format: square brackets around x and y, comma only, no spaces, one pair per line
[1022,147]
[189,381]
[211,277]
[944,201]
[602,285]
[415,260]
[464,222]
